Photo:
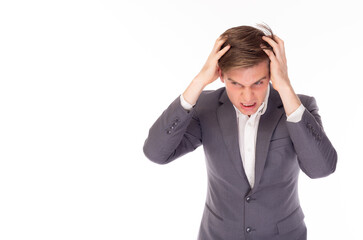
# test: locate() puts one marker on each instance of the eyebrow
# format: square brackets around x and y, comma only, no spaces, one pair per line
[230,79]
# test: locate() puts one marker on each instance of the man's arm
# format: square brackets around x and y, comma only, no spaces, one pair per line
[208,74]
[278,74]
[177,131]
[317,156]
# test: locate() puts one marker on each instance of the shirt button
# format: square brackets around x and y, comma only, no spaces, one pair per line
[248,229]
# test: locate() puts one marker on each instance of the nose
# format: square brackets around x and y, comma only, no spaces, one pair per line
[247,95]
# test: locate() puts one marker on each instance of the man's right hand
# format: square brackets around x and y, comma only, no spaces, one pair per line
[208,74]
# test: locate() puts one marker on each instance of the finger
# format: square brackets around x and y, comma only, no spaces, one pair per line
[270,54]
[281,44]
[278,40]
[219,42]
[220,39]
[223,51]
[274,45]
[270,41]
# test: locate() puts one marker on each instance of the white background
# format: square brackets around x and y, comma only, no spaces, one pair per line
[83,81]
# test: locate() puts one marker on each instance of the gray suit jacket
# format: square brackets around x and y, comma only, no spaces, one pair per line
[234,211]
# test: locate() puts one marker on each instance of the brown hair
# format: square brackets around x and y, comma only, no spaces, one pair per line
[245,48]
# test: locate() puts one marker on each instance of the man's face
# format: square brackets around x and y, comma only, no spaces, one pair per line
[247,87]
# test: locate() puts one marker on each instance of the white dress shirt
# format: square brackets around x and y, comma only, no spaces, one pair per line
[247,132]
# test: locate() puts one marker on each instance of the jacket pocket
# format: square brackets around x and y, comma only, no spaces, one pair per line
[291,222]
[213,213]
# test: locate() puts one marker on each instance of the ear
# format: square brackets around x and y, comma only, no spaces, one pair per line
[220,74]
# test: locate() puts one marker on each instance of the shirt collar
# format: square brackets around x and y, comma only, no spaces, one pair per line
[262,109]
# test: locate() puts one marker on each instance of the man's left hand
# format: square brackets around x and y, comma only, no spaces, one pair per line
[278,74]
[278,64]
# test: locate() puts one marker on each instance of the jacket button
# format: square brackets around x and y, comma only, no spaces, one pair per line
[248,199]
[248,229]
[168,132]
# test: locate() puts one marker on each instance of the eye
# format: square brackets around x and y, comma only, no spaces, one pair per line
[259,82]
[236,84]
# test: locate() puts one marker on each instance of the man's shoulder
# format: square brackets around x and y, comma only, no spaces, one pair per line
[212,94]
[210,97]
[306,99]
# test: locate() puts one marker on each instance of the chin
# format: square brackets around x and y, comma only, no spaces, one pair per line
[248,112]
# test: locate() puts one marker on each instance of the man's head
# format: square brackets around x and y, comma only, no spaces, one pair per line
[245,67]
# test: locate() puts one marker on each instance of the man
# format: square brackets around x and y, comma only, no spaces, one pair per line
[256,137]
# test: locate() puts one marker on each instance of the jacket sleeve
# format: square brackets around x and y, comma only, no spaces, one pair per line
[316,155]
[176,132]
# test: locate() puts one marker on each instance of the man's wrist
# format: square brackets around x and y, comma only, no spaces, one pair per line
[296,115]
[286,87]
[195,88]
[185,104]
[289,98]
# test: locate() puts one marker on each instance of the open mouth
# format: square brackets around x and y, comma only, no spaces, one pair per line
[248,105]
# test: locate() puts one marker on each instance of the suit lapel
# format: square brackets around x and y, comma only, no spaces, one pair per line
[266,127]
[228,124]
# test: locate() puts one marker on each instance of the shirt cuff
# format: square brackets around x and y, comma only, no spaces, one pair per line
[185,104]
[296,115]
